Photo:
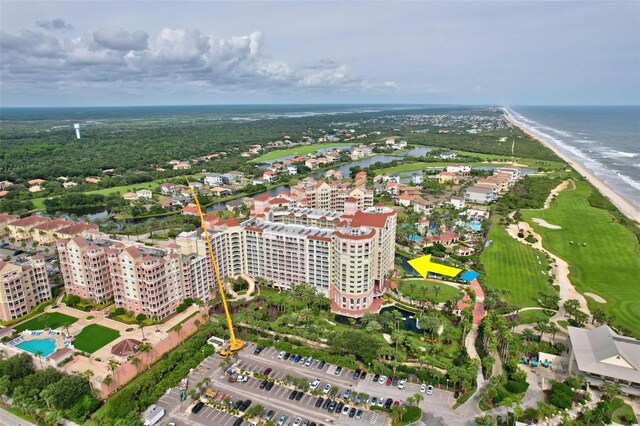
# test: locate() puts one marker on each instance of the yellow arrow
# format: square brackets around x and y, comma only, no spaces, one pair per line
[423,265]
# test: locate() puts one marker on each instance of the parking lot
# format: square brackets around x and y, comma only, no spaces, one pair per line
[437,404]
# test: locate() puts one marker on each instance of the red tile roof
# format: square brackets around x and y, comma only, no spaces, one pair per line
[262,197]
[30,221]
[77,228]
[376,220]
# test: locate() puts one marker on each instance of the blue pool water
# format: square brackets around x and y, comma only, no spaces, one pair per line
[415,238]
[475,226]
[46,346]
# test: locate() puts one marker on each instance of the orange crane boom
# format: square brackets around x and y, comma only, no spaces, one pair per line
[234,344]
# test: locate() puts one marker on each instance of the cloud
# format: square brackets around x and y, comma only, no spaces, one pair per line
[55,24]
[118,39]
[174,57]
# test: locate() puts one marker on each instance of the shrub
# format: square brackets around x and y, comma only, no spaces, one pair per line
[516,387]
[561,395]
[119,311]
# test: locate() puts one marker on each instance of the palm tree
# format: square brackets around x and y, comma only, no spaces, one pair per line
[397,318]
[107,381]
[112,364]
[178,328]
[424,291]
[412,287]
[528,335]
[38,355]
[154,318]
[136,362]
[436,290]
[87,374]
[373,327]
[553,329]
[541,327]
[417,398]
[399,337]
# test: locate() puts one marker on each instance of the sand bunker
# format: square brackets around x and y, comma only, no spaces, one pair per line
[596,297]
[544,223]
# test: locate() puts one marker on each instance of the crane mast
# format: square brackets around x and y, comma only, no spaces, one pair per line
[234,344]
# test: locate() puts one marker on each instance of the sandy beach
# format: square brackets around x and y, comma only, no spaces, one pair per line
[620,202]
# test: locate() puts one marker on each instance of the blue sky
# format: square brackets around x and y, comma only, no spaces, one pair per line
[147,53]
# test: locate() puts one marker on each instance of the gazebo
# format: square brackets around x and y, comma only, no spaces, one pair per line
[126,347]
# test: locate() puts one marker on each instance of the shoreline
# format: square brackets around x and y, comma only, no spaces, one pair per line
[624,205]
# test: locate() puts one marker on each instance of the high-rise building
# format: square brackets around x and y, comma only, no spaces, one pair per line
[23,285]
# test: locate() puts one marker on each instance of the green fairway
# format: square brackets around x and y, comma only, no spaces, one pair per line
[299,150]
[514,266]
[609,263]
[48,320]
[445,293]
[93,337]
[533,316]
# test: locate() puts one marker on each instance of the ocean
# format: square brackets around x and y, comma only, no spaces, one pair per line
[605,139]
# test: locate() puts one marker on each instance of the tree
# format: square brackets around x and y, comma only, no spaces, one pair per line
[107,381]
[135,361]
[18,367]
[5,386]
[38,354]
[487,420]
[397,319]
[112,365]
[68,390]
[541,327]
[418,398]
[429,324]
[528,335]
[553,329]
[611,390]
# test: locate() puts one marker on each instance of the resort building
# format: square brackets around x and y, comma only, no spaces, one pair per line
[20,230]
[23,285]
[601,355]
[461,169]
[480,195]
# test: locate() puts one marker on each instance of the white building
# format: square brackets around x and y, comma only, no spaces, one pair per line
[213,179]
[461,169]
[458,203]
[448,155]
[480,195]
[417,178]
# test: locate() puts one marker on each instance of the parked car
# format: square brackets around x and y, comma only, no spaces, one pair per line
[374,401]
[242,378]
[332,406]
[269,386]
[299,396]
[283,418]
[326,388]
[363,375]
[319,402]
[264,384]
[356,374]
[269,415]
[359,414]
[359,399]
[401,384]
[238,421]
[293,395]
[196,408]
[237,404]
[326,403]
[297,358]
[347,394]
[258,350]
[339,407]
[281,355]
[297,421]
[321,365]
[352,412]
[387,403]
[338,371]
[394,382]
[376,377]
[314,385]
[380,402]
[429,390]
[345,410]
[308,362]
[245,405]
[389,381]
[286,356]
[382,379]
[267,371]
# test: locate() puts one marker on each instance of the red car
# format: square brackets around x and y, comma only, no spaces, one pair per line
[267,371]
[396,403]
[389,380]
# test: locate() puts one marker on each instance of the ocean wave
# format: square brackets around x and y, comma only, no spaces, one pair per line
[612,153]
[630,181]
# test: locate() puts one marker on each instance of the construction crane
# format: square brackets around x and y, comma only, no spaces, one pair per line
[234,344]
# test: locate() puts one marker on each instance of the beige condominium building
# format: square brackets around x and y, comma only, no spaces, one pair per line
[23,285]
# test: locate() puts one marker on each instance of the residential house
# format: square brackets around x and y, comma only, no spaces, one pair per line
[447,239]
[144,193]
[448,155]
[460,169]
[213,179]
[269,176]
[417,178]
[420,205]
[292,169]
[480,195]
[448,178]
[404,200]
[458,203]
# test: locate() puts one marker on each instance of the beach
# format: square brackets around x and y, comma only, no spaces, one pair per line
[626,207]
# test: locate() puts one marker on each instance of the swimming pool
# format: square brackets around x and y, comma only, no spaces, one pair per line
[45,346]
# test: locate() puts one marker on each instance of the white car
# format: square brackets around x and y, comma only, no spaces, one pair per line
[242,378]
[297,421]
[345,410]
[380,402]
[314,385]
[281,354]
[327,388]
[423,388]
[429,390]
[382,380]
[309,362]
[401,384]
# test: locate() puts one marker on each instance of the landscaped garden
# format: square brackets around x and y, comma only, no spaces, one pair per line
[94,337]
[422,290]
[51,320]
[603,257]
[534,315]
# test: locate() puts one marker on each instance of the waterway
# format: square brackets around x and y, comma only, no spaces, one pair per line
[409,322]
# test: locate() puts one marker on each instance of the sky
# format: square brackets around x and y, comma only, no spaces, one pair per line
[98,53]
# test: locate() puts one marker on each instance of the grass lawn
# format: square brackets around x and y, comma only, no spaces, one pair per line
[93,337]
[533,316]
[446,291]
[623,414]
[47,320]
[513,266]
[608,265]
[18,412]
[298,150]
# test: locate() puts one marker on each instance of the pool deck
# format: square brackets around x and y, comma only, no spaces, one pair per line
[29,335]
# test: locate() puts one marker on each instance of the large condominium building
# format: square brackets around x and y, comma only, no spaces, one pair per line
[345,255]
[23,285]
[330,196]
[140,279]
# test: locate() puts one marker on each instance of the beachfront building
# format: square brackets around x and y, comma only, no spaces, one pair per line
[345,255]
[601,355]
[23,285]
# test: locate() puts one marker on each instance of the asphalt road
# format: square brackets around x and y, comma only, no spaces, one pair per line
[8,419]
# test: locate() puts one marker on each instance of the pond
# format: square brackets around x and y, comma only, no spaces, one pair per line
[419,151]
[404,264]
[91,215]
[345,168]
